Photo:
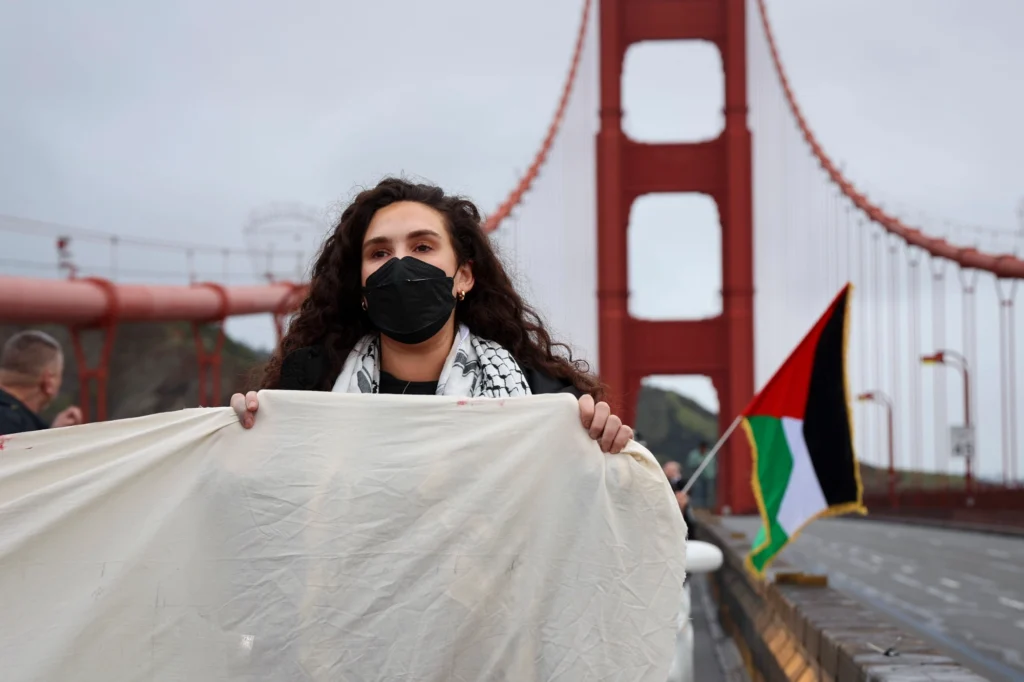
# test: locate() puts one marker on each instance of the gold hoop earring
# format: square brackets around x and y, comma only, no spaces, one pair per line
[462,295]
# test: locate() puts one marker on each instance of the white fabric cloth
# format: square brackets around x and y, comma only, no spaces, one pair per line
[474,368]
[344,537]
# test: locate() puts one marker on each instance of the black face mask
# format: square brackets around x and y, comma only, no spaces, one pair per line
[409,300]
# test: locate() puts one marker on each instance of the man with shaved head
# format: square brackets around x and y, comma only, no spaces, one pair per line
[31,368]
[674,474]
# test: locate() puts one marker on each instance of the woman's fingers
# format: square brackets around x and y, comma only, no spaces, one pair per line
[624,435]
[245,407]
[238,404]
[603,426]
[587,411]
[597,425]
[611,430]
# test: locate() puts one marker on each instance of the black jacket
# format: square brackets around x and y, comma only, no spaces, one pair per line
[305,369]
[16,418]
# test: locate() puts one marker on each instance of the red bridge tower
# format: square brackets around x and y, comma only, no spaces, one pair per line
[722,347]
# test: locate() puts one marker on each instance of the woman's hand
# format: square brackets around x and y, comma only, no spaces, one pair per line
[245,407]
[604,426]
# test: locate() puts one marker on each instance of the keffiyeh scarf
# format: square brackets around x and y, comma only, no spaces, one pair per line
[474,368]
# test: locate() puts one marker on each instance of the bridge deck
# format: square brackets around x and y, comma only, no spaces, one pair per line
[963,592]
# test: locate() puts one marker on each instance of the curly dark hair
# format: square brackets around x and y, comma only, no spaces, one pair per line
[332,316]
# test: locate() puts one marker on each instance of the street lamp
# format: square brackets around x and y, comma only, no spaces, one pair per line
[883,399]
[949,357]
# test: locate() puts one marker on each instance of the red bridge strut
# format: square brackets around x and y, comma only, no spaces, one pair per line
[98,304]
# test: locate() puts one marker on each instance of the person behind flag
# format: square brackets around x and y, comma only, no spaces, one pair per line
[704,486]
[31,370]
[800,432]
[674,474]
[408,297]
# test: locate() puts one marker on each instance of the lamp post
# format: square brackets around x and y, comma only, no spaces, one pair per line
[947,357]
[883,399]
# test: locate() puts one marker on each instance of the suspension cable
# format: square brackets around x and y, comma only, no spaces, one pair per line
[940,402]
[1002,265]
[968,288]
[876,278]
[516,195]
[1008,378]
[914,311]
[894,327]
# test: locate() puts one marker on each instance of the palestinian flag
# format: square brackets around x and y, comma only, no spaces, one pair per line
[800,434]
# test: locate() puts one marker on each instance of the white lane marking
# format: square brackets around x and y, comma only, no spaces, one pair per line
[952,584]
[1003,566]
[981,582]
[947,597]
[911,582]
[998,553]
[1012,603]
[972,611]
[860,563]
[929,618]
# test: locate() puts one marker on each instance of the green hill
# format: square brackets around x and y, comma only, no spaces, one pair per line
[671,424]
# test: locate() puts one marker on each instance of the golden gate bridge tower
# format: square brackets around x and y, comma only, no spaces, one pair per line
[720,347]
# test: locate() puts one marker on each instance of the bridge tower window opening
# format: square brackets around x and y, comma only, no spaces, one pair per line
[675,257]
[694,70]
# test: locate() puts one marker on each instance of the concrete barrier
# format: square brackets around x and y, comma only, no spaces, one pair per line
[798,628]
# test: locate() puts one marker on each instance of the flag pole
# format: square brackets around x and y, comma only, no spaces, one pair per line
[714,451]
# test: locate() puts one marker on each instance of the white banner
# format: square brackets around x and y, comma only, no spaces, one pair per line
[345,537]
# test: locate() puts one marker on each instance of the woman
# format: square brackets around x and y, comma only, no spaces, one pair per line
[407,296]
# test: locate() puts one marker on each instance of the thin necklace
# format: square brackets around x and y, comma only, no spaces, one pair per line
[376,389]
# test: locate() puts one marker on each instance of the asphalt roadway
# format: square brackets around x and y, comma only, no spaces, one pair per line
[963,592]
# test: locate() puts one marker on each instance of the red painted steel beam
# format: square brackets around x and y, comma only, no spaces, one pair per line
[673,20]
[86,302]
[678,346]
[684,167]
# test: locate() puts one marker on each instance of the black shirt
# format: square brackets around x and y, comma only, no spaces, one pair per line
[389,384]
[15,417]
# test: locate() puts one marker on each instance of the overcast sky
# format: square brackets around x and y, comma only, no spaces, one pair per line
[177,119]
